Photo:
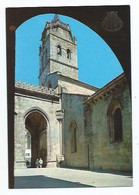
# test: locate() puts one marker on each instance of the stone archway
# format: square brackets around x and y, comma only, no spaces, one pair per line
[37,125]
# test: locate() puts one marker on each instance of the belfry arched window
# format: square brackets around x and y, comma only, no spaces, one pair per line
[73,136]
[59,52]
[68,54]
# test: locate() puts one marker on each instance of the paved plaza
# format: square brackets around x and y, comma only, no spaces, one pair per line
[68,178]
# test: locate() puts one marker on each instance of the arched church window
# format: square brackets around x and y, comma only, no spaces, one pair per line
[73,128]
[117,125]
[59,50]
[115,121]
[68,54]
[88,130]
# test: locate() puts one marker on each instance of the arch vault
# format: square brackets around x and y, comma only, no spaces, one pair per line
[37,125]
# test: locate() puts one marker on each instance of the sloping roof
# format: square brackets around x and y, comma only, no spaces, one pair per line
[106,87]
[79,83]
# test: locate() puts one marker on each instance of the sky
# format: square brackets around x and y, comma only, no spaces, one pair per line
[97,63]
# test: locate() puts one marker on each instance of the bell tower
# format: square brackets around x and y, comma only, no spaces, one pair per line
[58,52]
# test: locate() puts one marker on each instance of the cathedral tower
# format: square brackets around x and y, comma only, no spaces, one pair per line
[58,52]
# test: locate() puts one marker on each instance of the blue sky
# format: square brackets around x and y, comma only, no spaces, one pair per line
[97,63]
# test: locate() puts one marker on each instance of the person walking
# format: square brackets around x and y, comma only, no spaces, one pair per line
[37,163]
[40,162]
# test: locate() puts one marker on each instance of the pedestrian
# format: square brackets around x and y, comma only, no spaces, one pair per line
[37,163]
[40,162]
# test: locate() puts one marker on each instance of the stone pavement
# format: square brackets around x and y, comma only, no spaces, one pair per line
[66,178]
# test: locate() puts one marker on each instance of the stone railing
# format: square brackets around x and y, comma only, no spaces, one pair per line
[36,88]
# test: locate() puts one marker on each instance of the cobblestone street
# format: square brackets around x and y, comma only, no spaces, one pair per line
[68,178]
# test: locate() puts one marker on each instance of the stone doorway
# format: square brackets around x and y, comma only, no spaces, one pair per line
[37,125]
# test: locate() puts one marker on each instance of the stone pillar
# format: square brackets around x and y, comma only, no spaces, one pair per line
[60,156]
[51,160]
[60,136]
[43,146]
[19,142]
[52,144]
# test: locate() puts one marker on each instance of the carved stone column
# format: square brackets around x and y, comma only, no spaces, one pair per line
[60,116]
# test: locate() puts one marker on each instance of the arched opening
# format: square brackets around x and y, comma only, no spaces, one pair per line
[114,114]
[68,54]
[117,125]
[59,50]
[73,128]
[37,126]
[86,38]
[122,50]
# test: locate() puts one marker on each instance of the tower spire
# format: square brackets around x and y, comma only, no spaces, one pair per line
[56,17]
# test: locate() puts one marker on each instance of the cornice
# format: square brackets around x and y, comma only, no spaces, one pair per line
[113,87]
[34,90]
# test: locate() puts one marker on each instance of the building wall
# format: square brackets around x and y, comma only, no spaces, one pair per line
[88,123]
[24,104]
[65,44]
[75,87]
[44,61]
[61,33]
[104,153]
[94,147]
[67,85]
[42,76]
[69,71]
[73,111]
[61,62]
[51,61]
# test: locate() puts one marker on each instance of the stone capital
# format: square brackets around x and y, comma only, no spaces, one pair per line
[60,115]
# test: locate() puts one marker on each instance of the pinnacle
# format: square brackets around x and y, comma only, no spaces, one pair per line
[56,18]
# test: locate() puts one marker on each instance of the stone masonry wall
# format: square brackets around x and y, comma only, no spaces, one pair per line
[76,87]
[73,111]
[104,154]
[23,104]
[59,59]
[68,85]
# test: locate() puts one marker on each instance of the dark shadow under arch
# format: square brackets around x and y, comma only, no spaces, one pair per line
[36,123]
[91,16]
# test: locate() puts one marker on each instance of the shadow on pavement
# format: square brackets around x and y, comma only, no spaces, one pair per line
[44,182]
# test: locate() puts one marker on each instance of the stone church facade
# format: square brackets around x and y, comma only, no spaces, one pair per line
[66,122]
